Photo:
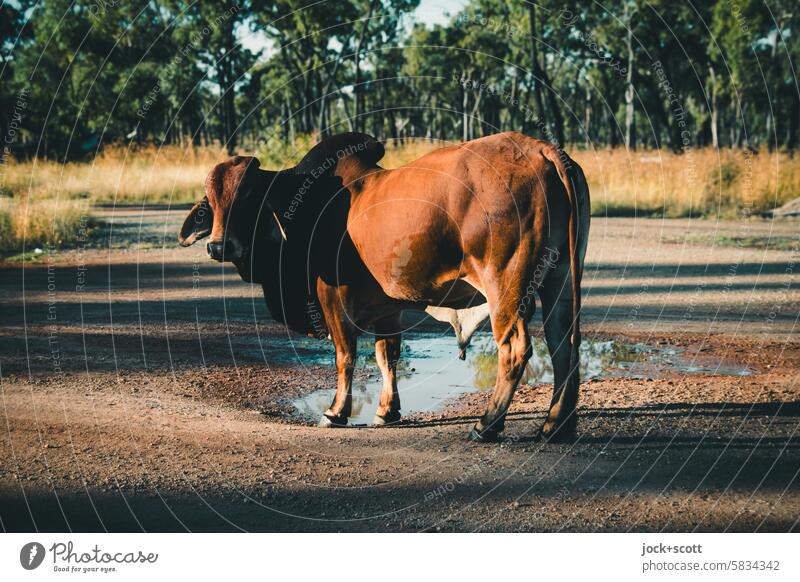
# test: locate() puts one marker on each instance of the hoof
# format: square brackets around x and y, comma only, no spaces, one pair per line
[487,436]
[389,419]
[331,422]
[563,434]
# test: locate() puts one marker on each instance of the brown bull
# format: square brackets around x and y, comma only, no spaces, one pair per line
[341,245]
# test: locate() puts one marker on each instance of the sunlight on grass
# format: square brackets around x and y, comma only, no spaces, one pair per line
[118,175]
[44,224]
[724,183]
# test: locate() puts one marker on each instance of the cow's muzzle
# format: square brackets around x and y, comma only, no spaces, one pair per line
[227,250]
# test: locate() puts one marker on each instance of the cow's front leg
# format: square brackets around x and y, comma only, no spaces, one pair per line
[387,354]
[336,303]
[342,405]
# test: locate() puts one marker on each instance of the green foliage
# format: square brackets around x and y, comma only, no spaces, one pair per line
[277,154]
[177,72]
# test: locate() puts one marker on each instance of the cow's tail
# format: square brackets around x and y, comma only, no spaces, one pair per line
[577,194]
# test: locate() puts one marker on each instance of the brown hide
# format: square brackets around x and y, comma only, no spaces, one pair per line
[463,225]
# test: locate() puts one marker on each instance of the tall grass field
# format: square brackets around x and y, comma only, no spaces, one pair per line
[46,202]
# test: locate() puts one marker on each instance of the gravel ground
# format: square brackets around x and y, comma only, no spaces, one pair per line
[136,396]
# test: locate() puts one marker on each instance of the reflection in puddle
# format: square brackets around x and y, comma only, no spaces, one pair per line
[430,372]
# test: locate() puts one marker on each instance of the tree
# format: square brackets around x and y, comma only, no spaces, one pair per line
[643,74]
[208,29]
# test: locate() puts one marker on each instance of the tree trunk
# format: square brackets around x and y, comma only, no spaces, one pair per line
[225,106]
[393,127]
[791,131]
[289,117]
[227,89]
[464,105]
[475,113]
[306,110]
[535,72]
[554,108]
[357,91]
[541,77]
[742,140]
[380,116]
[587,116]
[323,129]
[508,123]
[712,84]
[348,118]
[630,112]
[772,134]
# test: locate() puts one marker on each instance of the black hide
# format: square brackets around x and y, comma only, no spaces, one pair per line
[312,207]
[288,270]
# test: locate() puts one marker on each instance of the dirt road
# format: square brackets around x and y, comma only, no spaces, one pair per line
[137,394]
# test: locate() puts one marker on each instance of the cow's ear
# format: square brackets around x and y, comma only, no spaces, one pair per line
[198,224]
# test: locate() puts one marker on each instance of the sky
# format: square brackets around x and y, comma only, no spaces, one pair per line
[434,11]
[429,11]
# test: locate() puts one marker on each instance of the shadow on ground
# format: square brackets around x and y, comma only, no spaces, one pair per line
[672,475]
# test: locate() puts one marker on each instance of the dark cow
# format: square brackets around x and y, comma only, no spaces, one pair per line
[342,245]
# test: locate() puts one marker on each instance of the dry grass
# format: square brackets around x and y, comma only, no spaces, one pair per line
[44,224]
[698,183]
[154,175]
[704,182]
[400,155]
[118,175]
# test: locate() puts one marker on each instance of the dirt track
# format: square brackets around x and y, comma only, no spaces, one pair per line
[142,400]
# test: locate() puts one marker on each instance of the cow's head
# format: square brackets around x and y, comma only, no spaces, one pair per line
[244,208]
[232,207]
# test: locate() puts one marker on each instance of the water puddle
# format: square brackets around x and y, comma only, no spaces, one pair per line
[430,372]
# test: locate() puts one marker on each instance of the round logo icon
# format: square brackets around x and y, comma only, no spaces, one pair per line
[31,555]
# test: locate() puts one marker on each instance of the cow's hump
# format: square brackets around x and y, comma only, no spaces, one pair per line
[322,158]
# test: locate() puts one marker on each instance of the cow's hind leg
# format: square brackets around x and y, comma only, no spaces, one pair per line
[556,296]
[387,354]
[510,312]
